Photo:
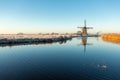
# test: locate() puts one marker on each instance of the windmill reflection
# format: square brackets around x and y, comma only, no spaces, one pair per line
[84,43]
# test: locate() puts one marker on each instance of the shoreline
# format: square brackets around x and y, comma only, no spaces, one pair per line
[19,39]
[35,43]
[25,39]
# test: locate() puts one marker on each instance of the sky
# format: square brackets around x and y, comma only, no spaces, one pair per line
[46,16]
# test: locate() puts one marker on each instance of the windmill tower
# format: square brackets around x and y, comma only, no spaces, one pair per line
[84,29]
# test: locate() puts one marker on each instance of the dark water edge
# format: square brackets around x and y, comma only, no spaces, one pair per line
[78,59]
[28,41]
[33,43]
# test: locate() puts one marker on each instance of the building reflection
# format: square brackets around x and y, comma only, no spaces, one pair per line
[84,43]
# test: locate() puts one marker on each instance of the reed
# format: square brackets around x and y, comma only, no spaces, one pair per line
[111,37]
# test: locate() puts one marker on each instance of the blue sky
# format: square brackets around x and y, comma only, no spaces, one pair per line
[34,16]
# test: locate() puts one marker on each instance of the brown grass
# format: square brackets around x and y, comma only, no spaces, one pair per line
[111,37]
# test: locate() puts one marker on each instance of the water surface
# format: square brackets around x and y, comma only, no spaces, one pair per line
[78,59]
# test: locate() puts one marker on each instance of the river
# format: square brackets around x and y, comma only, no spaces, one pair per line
[77,59]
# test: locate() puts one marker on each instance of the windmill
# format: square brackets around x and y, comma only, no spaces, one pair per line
[84,29]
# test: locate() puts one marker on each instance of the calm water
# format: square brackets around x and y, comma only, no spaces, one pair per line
[78,59]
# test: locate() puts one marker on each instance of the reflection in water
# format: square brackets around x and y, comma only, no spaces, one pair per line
[62,42]
[84,43]
[43,43]
[61,62]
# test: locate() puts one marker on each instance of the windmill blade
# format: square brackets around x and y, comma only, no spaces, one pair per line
[89,27]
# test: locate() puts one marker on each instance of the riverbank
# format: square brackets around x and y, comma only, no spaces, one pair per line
[111,37]
[13,39]
[32,39]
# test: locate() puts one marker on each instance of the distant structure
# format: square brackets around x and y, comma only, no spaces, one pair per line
[84,29]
